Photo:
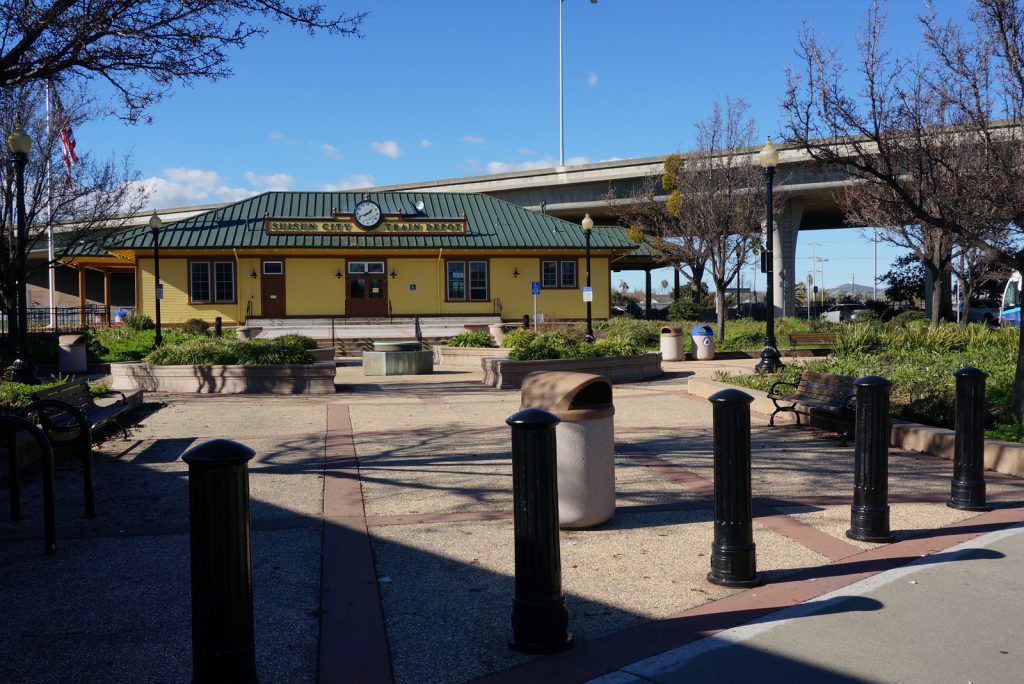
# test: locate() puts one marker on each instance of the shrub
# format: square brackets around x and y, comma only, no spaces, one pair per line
[296,340]
[138,321]
[685,309]
[910,317]
[640,334]
[471,338]
[212,351]
[563,345]
[196,326]
[519,337]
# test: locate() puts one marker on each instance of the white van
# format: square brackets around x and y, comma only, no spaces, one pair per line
[843,312]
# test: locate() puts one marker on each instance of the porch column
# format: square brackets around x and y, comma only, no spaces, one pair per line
[106,295]
[81,294]
[647,298]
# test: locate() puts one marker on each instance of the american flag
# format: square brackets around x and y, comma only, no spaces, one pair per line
[67,137]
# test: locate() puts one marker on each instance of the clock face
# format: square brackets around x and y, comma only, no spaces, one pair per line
[367,214]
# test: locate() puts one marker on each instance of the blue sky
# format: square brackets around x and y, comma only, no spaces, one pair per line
[468,87]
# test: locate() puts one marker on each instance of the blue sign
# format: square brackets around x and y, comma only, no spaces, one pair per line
[412,287]
[159,290]
[535,288]
[588,294]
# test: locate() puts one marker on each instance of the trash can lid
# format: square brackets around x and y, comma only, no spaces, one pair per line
[68,340]
[570,396]
[702,331]
[671,331]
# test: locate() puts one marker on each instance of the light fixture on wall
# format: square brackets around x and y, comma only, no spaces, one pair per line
[338,274]
[393,274]
[253,274]
[515,273]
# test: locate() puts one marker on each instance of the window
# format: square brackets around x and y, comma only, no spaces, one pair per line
[558,273]
[273,267]
[459,288]
[211,281]
[360,267]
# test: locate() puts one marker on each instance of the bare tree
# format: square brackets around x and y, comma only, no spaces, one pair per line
[81,211]
[647,212]
[142,47]
[715,194]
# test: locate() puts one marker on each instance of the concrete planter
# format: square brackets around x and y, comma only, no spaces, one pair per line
[465,357]
[507,374]
[1002,457]
[322,354]
[316,378]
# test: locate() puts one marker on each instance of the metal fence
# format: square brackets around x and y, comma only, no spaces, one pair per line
[69,319]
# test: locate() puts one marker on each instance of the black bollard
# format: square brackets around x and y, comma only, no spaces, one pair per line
[869,514]
[526,321]
[419,330]
[12,425]
[540,621]
[733,552]
[223,648]
[967,489]
[218,323]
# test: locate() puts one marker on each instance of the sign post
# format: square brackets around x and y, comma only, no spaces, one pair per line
[535,290]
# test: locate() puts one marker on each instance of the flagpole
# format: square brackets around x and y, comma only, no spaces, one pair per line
[49,213]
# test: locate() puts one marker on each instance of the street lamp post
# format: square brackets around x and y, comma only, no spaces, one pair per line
[588,225]
[770,358]
[154,225]
[19,144]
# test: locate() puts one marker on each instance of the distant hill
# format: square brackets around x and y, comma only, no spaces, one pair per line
[860,291]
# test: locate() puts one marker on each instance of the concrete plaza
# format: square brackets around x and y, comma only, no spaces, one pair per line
[382,549]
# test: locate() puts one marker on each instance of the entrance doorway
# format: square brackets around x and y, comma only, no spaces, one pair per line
[272,289]
[367,292]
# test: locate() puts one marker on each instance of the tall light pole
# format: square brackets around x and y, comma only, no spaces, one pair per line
[19,144]
[154,225]
[588,225]
[561,96]
[770,358]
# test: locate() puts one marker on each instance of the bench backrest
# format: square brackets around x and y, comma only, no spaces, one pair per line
[824,386]
[75,393]
[812,338]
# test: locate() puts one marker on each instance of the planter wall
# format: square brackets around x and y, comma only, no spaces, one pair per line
[507,374]
[465,357]
[317,378]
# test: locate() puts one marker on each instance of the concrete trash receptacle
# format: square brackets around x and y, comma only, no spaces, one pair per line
[703,347]
[585,442]
[671,343]
[497,331]
[71,354]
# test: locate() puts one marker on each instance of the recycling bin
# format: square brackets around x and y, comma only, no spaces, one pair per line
[703,347]
[671,344]
[71,354]
[585,442]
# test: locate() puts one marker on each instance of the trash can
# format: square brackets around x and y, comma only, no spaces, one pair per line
[119,317]
[585,440]
[671,344]
[497,331]
[71,355]
[703,347]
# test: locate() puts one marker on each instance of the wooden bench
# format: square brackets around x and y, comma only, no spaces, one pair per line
[818,395]
[818,339]
[78,395]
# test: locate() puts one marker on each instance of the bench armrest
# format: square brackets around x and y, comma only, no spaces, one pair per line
[849,402]
[777,383]
[109,392]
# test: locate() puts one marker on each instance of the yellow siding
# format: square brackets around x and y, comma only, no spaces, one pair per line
[174,307]
[419,272]
[311,287]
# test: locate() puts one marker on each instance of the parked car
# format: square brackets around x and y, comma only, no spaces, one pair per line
[983,312]
[843,312]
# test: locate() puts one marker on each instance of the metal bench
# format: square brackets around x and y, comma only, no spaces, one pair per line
[817,395]
[78,395]
[819,339]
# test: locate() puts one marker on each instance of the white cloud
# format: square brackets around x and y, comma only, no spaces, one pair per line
[277,135]
[277,181]
[389,148]
[591,79]
[545,163]
[356,180]
[330,151]
[426,143]
[525,150]
[178,187]
[473,139]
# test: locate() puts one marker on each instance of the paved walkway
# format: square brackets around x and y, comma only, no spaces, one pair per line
[382,547]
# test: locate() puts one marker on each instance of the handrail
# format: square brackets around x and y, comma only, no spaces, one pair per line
[85,438]
[49,509]
[497,306]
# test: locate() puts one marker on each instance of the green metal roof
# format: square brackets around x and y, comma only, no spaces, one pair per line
[491,224]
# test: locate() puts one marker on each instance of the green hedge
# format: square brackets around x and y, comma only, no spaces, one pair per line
[471,338]
[212,351]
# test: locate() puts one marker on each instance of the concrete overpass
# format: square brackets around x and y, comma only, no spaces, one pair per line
[804,198]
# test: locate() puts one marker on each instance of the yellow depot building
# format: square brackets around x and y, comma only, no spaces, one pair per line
[368,255]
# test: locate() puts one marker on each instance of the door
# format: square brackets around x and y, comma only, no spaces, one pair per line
[272,289]
[366,293]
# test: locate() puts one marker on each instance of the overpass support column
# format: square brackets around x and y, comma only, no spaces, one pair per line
[787,225]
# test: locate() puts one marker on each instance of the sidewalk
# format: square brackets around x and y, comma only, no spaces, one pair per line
[382,541]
